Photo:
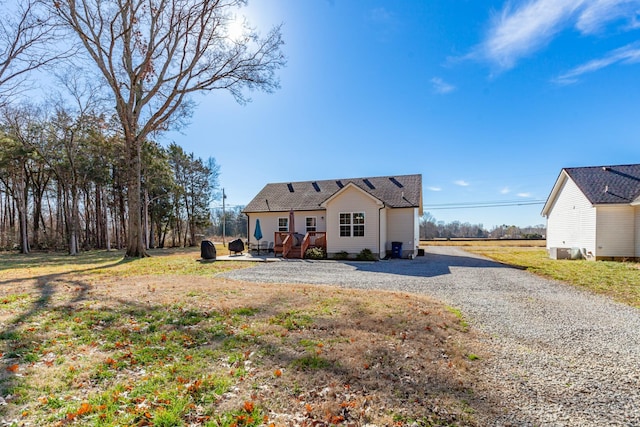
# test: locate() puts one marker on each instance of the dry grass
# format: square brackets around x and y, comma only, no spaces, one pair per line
[526,243]
[618,280]
[98,341]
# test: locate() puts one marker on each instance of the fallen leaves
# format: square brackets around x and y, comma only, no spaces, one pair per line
[144,363]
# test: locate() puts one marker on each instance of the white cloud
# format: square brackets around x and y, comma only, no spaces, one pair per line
[598,13]
[517,32]
[524,195]
[434,188]
[440,86]
[505,190]
[520,32]
[629,54]
[461,183]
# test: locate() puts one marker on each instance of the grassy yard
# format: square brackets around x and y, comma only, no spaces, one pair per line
[618,280]
[97,340]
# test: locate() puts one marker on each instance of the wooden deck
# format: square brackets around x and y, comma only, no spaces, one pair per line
[289,246]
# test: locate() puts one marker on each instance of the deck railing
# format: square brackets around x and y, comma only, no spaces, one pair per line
[284,242]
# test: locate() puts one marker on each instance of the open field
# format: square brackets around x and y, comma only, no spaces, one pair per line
[525,243]
[618,280]
[96,340]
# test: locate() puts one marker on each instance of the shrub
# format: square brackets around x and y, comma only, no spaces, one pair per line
[315,253]
[365,255]
[341,255]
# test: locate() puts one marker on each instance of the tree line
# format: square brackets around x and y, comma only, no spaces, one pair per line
[231,224]
[82,170]
[63,184]
[431,228]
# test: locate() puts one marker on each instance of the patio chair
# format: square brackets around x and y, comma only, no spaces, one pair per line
[264,246]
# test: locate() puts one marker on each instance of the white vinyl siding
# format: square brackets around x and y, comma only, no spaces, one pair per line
[349,201]
[616,231]
[637,233]
[383,234]
[269,222]
[572,220]
[403,226]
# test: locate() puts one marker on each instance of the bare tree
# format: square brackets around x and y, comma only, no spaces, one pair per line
[27,36]
[154,54]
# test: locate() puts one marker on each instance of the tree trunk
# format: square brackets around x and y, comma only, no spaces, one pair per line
[22,192]
[99,217]
[60,233]
[152,243]
[145,216]
[135,243]
[71,216]
[37,209]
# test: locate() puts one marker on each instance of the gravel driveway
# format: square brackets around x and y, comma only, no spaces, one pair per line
[561,357]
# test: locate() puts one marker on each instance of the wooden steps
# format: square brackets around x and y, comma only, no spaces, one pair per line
[295,252]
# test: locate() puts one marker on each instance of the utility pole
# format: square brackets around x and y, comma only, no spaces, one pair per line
[224,219]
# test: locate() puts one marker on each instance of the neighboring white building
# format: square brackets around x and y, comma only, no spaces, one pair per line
[345,215]
[596,211]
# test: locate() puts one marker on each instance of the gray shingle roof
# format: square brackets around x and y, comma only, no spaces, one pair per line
[607,184]
[395,191]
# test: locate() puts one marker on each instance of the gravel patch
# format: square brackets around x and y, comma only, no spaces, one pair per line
[560,356]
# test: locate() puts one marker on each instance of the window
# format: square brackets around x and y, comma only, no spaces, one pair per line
[345,225]
[311,222]
[283,224]
[352,224]
[358,224]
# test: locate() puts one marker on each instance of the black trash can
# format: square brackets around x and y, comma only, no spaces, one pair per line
[207,250]
[396,249]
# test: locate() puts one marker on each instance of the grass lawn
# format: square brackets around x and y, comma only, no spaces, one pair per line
[618,280]
[97,340]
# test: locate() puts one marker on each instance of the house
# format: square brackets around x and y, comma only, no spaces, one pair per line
[595,212]
[340,215]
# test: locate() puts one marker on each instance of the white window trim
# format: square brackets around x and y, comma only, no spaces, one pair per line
[351,224]
[306,225]
[287,221]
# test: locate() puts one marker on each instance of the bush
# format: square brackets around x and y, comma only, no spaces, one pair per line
[341,255]
[365,255]
[315,253]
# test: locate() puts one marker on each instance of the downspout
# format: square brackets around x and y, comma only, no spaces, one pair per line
[248,229]
[379,230]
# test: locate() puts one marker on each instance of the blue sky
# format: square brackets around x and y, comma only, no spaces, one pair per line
[488,100]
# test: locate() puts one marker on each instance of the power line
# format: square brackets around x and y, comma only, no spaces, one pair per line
[476,205]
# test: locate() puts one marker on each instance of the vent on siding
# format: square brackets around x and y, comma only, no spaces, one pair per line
[368,184]
[339,184]
[315,186]
[396,182]
[290,187]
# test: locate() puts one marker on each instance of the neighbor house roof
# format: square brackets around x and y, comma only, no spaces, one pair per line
[394,191]
[601,184]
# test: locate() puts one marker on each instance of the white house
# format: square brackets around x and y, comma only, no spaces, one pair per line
[342,215]
[595,211]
